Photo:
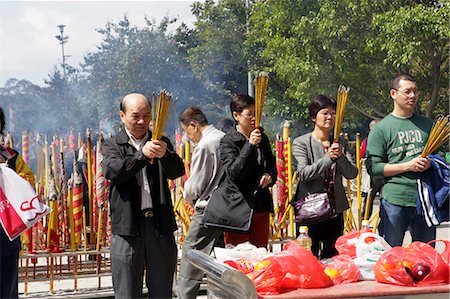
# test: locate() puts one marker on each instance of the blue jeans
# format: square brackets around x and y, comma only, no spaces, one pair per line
[396,220]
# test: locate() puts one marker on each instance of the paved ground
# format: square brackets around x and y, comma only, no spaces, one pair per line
[88,287]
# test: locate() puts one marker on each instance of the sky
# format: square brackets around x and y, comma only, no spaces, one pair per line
[30,50]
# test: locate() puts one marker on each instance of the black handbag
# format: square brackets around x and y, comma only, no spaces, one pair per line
[317,207]
[228,210]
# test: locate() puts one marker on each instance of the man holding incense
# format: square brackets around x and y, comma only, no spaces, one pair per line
[206,172]
[142,218]
[393,152]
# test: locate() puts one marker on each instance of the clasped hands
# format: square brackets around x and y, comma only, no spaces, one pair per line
[154,149]
[334,151]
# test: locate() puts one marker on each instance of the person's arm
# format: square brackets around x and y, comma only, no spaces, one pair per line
[236,162]
[201,173]
[418,164]
[119,168]
[24,171]
[173,166]
[271,164]
[344,161]
[307,169]
[377,161]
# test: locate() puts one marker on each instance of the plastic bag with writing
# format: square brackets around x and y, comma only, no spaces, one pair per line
[369,248]
[417,264]
[20,207]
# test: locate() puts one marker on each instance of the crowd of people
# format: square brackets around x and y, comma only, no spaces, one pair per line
[142,217]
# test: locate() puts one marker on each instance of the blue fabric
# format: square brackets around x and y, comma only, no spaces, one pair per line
[396,220]
[436,182]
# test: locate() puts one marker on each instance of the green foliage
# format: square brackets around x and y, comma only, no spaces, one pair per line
[311,47]
[218,57]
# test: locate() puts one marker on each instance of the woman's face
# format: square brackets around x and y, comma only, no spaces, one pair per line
[246,119]
[325,118]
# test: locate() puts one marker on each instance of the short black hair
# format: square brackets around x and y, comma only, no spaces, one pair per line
[241,101]
[318,103]
[403,76]
[194,114]
[225,125]
[2,120]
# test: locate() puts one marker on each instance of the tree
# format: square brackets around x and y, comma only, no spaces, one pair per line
[311,47]
[219,57]
[144,60]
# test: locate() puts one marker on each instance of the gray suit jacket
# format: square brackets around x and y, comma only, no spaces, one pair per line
[311,163]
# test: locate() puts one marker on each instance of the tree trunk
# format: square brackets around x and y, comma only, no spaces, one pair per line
[435,80]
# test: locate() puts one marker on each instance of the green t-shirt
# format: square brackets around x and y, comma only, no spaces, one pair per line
[397,140]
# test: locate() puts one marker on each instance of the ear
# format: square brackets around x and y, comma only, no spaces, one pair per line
[235,115]
[122,115]
[392,92]
[194,125]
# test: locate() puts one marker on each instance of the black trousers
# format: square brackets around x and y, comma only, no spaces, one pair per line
[324,235]
[9,279]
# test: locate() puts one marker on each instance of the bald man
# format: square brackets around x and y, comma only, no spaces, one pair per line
[142,218]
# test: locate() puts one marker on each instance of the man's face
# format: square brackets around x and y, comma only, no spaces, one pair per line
[406,95]
[136,117]
[192,131]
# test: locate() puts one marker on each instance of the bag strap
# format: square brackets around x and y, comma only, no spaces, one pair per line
[330,173]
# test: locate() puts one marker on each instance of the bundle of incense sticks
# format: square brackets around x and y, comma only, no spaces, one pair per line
[160,117]
[439,134]
[340,110]
[260,93]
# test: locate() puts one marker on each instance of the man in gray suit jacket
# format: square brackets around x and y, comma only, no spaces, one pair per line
[206,171]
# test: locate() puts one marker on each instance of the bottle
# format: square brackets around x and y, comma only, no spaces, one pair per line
[365,226]
[303,239]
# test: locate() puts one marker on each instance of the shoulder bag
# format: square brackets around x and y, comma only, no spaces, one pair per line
[317,207]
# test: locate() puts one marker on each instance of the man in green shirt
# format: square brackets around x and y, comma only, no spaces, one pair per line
[393,152]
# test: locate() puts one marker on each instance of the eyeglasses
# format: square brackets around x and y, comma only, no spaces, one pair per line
[409,93]
[247,115]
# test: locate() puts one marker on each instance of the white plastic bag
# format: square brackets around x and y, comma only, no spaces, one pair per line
[369,248]
[20,207]
[244,251]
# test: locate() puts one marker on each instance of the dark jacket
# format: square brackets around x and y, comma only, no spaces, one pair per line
[122,164]
[240,163]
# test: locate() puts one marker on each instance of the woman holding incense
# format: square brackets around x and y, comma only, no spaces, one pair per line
[249,164]
[320,161]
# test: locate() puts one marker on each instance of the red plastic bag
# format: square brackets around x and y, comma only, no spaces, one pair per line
[417,264]
[445,253]
[346,244]
[342,270]
[292,268]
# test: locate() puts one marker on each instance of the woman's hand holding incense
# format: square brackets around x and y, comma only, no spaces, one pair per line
[255,137]
[335,151]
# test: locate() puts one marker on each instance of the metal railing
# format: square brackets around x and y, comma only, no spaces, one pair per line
[222,281]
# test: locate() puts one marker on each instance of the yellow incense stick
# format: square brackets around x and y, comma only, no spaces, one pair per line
[261,83]
[340,110]
[439,134]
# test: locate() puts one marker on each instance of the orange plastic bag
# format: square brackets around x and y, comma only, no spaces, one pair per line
[342,270]
[417,264]
[292,268]
[346,244]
